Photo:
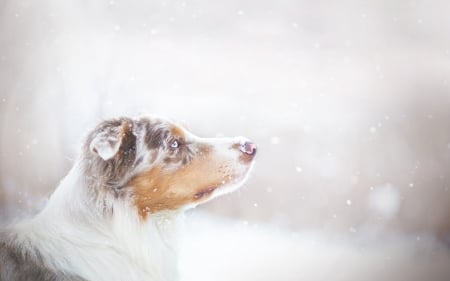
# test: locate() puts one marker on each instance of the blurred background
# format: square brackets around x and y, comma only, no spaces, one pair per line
[349,102]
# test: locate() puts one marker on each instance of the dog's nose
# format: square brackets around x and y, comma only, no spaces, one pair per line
[248,147]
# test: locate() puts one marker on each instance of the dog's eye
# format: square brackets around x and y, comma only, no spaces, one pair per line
[174,144]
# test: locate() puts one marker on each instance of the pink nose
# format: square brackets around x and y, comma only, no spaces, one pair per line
[248,148]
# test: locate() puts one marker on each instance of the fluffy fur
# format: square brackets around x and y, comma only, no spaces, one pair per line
[115,215]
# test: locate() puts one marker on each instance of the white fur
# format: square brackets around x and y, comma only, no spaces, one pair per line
[71,237]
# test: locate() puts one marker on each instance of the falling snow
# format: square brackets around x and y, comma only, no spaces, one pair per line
[353,141]
[275,140]
[385,201]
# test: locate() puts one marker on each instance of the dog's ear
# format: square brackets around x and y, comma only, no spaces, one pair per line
[110,137]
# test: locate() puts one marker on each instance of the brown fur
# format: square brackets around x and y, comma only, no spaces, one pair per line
[158,190]
[177,132]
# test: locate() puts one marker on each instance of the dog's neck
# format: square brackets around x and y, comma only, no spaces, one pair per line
[72,232]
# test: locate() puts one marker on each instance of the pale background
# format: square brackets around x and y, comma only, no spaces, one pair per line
[349,102]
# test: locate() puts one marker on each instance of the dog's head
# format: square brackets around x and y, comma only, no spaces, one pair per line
[159,165]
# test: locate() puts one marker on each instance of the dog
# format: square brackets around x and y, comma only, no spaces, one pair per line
[116,214]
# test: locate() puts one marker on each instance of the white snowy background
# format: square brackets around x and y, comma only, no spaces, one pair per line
[349,102]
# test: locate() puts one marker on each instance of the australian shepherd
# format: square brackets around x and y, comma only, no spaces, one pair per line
[115,215]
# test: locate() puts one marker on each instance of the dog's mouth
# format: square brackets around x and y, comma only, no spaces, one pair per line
[204,192]
[226,186]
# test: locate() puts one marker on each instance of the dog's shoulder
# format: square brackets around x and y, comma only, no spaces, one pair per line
[19,263]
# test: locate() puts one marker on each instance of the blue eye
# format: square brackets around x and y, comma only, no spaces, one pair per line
[174,144]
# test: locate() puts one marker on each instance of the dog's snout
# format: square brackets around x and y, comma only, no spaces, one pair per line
[248,147]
